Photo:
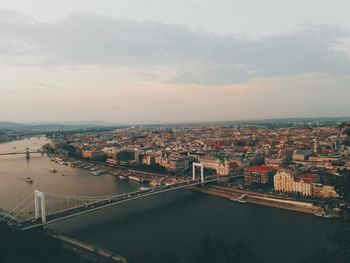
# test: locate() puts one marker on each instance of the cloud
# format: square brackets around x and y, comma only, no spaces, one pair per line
[196,58]
[47,86]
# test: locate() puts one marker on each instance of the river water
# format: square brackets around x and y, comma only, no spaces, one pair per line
[167,223]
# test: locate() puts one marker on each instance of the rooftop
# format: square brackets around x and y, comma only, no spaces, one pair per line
[261,169]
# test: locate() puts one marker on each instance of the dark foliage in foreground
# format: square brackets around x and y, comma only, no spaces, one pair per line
[209,251]
[32,247]
[39,247]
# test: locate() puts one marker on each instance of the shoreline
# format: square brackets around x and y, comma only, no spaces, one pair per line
[89,250]
[256,199]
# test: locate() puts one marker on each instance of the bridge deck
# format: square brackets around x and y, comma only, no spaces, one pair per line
[16,153]
[89,207]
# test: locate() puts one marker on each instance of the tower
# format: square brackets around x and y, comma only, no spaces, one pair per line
[194,165]
[315,146]
[39,202]
[27,154]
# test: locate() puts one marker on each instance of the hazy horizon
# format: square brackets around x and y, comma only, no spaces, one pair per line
[173,61]
[151,122]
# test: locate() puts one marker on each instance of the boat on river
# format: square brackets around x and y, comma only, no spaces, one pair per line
[135,179]
[29,180]
[96,173]
[323,215]
[124,176]
[241,199]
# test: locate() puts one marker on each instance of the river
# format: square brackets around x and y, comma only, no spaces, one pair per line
[167,223]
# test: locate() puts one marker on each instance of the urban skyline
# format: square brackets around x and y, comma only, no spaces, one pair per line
[174,131]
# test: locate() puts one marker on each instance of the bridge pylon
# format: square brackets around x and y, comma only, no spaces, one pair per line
[39,202]
[194,165]
[27,154]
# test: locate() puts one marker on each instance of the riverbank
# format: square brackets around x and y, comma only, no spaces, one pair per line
[89,251]
[123,172]
[36,246]
[68,247]
[234,194]
[265,200]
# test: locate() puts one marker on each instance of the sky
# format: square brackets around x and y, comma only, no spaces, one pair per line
[173,60]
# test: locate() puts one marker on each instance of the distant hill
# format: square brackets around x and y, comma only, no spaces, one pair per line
[72,125]
[9,125]
[265,122]
[75,123]
[45,126]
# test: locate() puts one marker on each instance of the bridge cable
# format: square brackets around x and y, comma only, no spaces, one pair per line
[15,216]
[17,206]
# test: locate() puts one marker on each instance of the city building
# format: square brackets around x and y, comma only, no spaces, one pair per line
[259,175]
[301,155]
[221,167]
[303,183]
[283,181]
[324,191]
[306,184]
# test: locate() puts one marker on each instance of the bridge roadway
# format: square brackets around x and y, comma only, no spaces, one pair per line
[16,153]
[89,207]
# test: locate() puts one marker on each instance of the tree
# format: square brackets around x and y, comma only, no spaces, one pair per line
[347,132]
[341,185]
[70,150]
[33,247]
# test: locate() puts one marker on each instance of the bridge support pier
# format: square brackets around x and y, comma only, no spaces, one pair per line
[27,154]
[39,201]
[194,165]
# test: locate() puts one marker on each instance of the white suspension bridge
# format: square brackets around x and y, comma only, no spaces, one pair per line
[43,208]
